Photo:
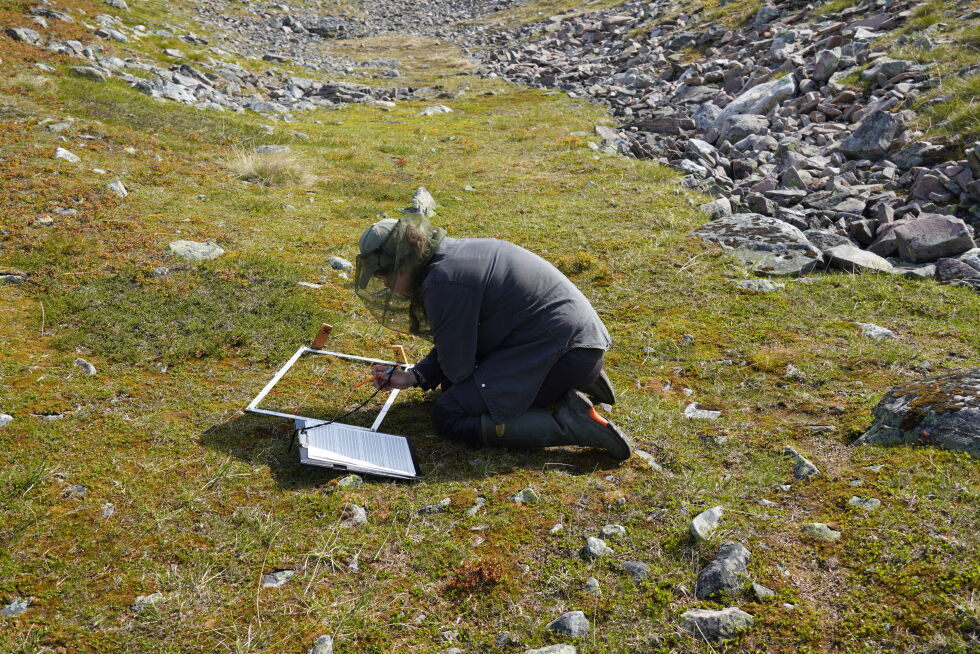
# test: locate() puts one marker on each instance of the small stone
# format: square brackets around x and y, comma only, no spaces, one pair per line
[15,608]
[874,331]
[70,157]
[717,208]
[108,509]
[561,648]
[726,573]
[473,510]
[350,481]
[716,626]
[637,570]
[5,419]
[118,188]
[526,496]
[802,467]
[691,411]
[422,203]
[439,507]
[766,503]
[322,645]
[353,516]
[705,523]
[143,602]
[759,285]
[573,624]
[88,72]
[435,110]
[86,367]
[762,593]
[277,578]
[272,149]
[339,263]
[612,531]
[77,490]
[594,548]
[648,459]
[820,531]
[866,503]
[592,586]
[557,529]
[194,250]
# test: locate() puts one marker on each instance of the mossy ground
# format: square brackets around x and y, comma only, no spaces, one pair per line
[206,499]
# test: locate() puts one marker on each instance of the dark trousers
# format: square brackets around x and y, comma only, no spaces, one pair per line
[458,410]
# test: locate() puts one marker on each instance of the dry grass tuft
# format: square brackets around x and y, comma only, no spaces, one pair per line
[269,169]
[28,82]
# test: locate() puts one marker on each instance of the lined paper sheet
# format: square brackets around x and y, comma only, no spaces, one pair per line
[358,449]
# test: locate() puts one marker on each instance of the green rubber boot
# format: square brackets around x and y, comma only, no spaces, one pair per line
[574,423]
[601,391]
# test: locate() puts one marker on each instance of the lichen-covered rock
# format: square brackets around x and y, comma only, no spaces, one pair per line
[726,573]
[705,523]
[716,626]
[769,245]
[942,411]
[802,467]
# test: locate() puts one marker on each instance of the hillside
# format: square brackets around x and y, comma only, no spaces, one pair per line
[688,167]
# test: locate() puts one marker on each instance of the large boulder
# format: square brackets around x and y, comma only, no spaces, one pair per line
[932,237]
[942,411]
[768,245]
[874,136]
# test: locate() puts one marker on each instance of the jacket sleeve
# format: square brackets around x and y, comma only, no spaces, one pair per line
[430,371]
[454,313]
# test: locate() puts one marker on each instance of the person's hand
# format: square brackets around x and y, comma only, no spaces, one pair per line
[400,379]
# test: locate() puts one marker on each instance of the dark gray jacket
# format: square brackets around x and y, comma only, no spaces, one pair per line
[504,316]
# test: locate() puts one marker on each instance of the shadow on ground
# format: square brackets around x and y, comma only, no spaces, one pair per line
[270,441]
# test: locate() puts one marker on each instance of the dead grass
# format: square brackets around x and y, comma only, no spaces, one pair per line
[270,169]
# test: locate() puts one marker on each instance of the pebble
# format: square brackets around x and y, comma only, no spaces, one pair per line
[339,263]
[439,507]
[435,110]
[118,188]
[480,503]
[145,601]
[802,467]
[762,593]
[195,251]
[5,419]
[322,645]
[561,648]
[874,331]
[692,411]
[68,156]
[15,608]
[108,509]
[277,578]
[272,149]
[637,570]
[592,586]
[526,496]
[612,531]
[557,529]
[866,503]
[353,515]
[86,367]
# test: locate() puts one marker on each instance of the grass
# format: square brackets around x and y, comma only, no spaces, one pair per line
[269,169]
[206,499]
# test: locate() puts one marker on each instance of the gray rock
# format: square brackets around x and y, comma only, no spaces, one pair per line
[941,411]
[866,503]
[826,64]
[573,624]
[716,626]
[874,331]
[24,34]
[594,548]
[15,608]
[592,586]
[802,467]
[739,126]
[70,157]
[194,251]
[118,188]
[951,269]
[75,491]
[562,648]
[526,496]
[759,285]
[438,507]
[118,4]
[108,510]
[823,241]
[339,263]
[705,523]
[692,412]
[277,578]
[727,573]
[264,107]
[350,481]
[272,149]
[762,593]
[353,516]
[435,110]
[717,208]
[971,258]
[874,136]
[769,245]
[931,237]
[761,98]
[820,531]
[143,602]
[322,645]
[88,72]
[637,570]
[851,258]
[86,367]
[612,531]
[5,419]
